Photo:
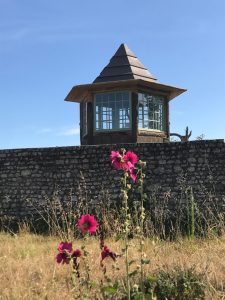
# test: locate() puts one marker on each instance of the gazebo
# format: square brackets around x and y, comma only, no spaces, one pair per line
[124,104]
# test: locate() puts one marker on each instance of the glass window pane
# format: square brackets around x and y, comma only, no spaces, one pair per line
[150,112]
[112,111]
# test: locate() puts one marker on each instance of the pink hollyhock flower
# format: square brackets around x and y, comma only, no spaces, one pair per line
[63,258]
[64,246]
[87,224]
[116,159]
[133,174]
[107,253]
[130,158]
[76,253]
[124,162]
[65,250]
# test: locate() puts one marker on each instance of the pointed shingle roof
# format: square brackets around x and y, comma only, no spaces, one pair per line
[124,71]
[124,65]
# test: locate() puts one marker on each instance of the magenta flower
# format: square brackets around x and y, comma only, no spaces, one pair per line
[64,246]
[130,158]
[64,254]
[76,253]
[63,258]
[117,160]
[107,253]
[133,174]
[87,224]
[124,162]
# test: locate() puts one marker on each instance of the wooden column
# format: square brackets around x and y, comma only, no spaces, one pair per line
[134,109]
[90,122]
[167,118]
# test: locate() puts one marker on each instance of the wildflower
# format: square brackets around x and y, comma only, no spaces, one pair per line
[65,246]
[87,224]
[124,162]
[117,160]
[130,158]
[76,253]
[65,250]
[133,174]
[107,253]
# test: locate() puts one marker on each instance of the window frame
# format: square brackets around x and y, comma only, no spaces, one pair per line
[118,129]
[85,118]
[160,101]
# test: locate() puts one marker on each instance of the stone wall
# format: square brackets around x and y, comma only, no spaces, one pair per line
[35,174]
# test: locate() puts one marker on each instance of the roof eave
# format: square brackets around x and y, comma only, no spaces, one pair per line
[78,92]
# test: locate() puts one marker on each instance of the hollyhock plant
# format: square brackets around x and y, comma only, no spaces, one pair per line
[76,266]
[63,258]
[125,161]
[106,252]
[116,158]
[118,161]
[76,253]
[87,223]
[64,246]
[65,250]
[133,174]
[130,158]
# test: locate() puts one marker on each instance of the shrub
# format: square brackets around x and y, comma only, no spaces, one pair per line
[176,284]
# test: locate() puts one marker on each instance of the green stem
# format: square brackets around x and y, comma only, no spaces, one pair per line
[86,265]
[142,236]
[72,274]
[126,236]
[192,214]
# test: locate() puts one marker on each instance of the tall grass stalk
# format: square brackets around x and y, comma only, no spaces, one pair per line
[191,207]
[192,214]
[142,218]
[126,230]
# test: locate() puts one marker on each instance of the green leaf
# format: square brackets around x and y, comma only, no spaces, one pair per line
[135,272]
[93,283]
[118,237]
[151,279]
[110,290]
[137,296]
[145,261]
[132,261]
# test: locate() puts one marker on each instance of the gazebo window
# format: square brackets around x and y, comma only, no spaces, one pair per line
[150,112]
[112,111]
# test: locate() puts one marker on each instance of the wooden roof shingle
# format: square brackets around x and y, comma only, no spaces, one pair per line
[124,71]
[124,65]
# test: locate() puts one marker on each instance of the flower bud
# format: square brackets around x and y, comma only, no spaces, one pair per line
[135,287]
[142,164]
[123,150]
[128,186]
[138,228]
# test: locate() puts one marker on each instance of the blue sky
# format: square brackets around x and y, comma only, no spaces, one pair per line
[46,47]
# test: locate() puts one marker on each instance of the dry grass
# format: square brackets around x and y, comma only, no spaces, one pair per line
[28,269]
